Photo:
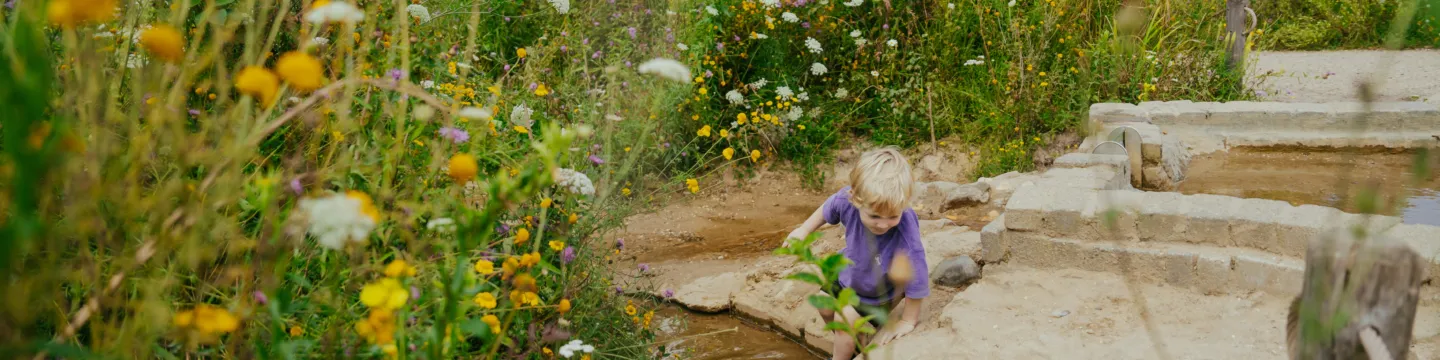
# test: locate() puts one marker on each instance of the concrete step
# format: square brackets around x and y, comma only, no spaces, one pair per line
[1208,269]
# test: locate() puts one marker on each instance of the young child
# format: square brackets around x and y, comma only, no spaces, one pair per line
[880,227]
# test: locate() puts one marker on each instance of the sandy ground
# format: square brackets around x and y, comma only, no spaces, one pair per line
[1330,76]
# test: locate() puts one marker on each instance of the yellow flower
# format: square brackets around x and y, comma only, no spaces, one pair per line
[740,118]
[540,90]
[649,315]
[295,331]
[704,131]
[1044,84]
[520,52]
[754,155]
[485,300]
[801,126]
[574,218]
[509,267]
[367,206]
[258,82]
[703,91]
[484,267]
[399,268]
[385,294]
[68,13]
[587,356]
[557,245]
[699,79]
[545,203]
[1042,73]
[207,319]
[524,298]
[728,153]
[378,328]
[463,168]
[521,129]
[625,191]
[491,320]
[564,306]
[164,42]
[724,133]
[528,260]
[521,236]
[693,185]
[630,308]
[301,70]
[548,352]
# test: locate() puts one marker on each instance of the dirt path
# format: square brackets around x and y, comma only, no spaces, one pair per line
[1330,76]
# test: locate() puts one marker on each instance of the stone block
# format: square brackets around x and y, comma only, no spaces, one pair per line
[1067,215]
[1026,208]
[1069,178]
[1154,177]
[1116,213]
[1084,160]
[1175,158]
[1182,112]
[1296,225]
[993,247]
[1247,114]
[1270,274]
[1162,218]
[1253,223]
[1212,273]
[1117,112]
[1209,219]
[1309,116]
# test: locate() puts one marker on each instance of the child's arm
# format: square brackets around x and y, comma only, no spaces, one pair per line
[810,225]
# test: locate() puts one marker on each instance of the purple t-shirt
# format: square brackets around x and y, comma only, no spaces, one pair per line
[867,272]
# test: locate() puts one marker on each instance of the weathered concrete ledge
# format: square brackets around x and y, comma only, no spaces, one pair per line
[1212,126]
[1139,222]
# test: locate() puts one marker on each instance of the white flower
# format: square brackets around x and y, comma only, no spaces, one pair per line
[573,346]
[682,46]
[1012,3]
[574,181]
[520,116]
[666,68]
[711,10]
[441,225]
[951,6]
[892,43]
[320,41]
[804,96]
[974,62]
[795,113]
[613,117]
[475,113]
[734,97]
[853,3]
[789,17]
[861,42]
[427,84]
[419,11]
[561,6]
[337,220]
[842,93]
[335,11]
[758,36]
[818,69]
[771,3]
[813,45]
[784,92]
[855,33]
[135,61]
[874,73]
[760,84]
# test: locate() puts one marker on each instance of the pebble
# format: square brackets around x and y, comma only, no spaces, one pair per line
[1060,313]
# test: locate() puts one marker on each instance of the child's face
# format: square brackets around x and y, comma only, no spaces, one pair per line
[877,223]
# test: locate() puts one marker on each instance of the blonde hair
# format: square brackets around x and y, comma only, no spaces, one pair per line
[881,182]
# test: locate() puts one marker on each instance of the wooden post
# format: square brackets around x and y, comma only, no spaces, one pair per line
[1373,283]
[1235,26]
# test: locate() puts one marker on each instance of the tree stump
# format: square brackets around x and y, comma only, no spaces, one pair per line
[1353,285]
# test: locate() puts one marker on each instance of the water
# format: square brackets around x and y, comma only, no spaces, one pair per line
[1325,178]
[678,329]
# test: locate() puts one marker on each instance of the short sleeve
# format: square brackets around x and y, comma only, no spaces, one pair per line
[919,287]
[835,208]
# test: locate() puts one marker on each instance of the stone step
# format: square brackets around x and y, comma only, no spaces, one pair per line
[1211,270]
[1258,116]
[1333,139]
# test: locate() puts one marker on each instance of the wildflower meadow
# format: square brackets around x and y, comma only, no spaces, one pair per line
[435,179]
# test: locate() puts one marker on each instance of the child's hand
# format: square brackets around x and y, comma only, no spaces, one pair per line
[901,328]
[796,235]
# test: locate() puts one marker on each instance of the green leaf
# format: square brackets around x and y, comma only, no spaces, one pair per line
[806,277]
[548,266]
[848,297]
[67,351]
[161,352]
[860,324]
[869,348]
[475,327]
[823,302]
[839,325]
[834,263]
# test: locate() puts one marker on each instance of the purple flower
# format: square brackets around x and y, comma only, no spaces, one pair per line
[625,84]
[585,41]
[507,19]
[886,27]
[644,267]
[414,293]
[564,33]
[627,63]
[502,230]
[455,135]
[708,73]
[596,159]
[720,46]
[562,48]
[597,54]
[532,86]
[737,37]
[619,243]
[10,4]
[595,147]
[1261,93]
[631,30]
[507,67]
[595,23]
[647,11]
[619,290]
[669,293]
[568,255]
[194,112]
[295,186]
[667,144]
[805,24]
[261,298]
[396,74]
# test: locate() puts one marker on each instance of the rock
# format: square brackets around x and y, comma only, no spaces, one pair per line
[958,271]
[710,294]
[1156,178]
[1060,313]
[938,197]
